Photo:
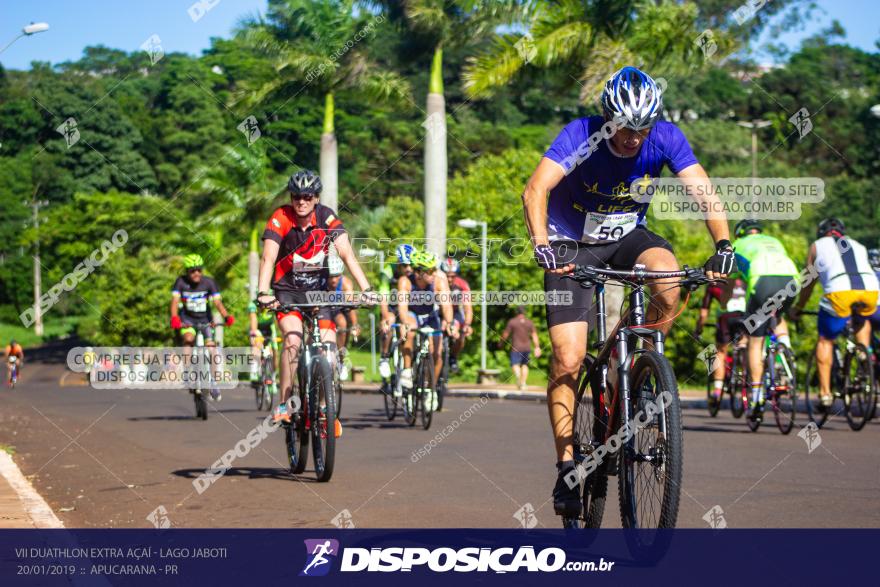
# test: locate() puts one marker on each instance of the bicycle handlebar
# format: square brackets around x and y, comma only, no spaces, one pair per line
[692,277]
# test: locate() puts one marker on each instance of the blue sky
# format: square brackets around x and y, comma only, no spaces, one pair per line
[126,24]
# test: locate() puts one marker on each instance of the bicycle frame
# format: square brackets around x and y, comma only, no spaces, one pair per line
[631,327]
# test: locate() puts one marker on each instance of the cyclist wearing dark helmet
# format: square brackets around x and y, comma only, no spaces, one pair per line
[579,211]
[851,289]
[767,270]
[296,246]
[191,295]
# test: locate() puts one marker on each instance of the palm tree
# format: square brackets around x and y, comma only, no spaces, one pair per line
[316,46]
[442,22]
[596,38]
[238,195]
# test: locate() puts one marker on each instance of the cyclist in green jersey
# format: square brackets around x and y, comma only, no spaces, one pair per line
[262,330]
[768,271]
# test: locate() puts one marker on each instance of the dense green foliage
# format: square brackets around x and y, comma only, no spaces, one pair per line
[160,156]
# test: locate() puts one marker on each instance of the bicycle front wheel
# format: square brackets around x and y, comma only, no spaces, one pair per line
[443,378]
[784,394]
[859,393]
[650,462]
[590,422]
[201,405]
[390,401]
[322,414]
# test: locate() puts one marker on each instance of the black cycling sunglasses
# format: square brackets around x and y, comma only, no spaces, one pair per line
[305,197]
[194,269]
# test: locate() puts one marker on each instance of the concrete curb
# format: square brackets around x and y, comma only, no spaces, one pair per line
[532,396]
[33,504]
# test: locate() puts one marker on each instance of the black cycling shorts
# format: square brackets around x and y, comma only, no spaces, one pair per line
[728,324]
[768,286]
[619,255]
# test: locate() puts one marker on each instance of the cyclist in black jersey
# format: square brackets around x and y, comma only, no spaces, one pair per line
[420,295]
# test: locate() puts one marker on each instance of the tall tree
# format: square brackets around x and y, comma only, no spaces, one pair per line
[595,38]
[441,22]
[317,46]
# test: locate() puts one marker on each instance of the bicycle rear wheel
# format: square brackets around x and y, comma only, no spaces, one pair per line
[590,421]
[650,463]
[738,384]
[817,413]
[322,414]
[784,395]
[859,393]
[424,396]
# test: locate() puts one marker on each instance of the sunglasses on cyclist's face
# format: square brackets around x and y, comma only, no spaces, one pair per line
[302,197]
[428,271]
[194,270]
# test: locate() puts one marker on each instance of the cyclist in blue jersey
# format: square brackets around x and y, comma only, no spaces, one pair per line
[591,219]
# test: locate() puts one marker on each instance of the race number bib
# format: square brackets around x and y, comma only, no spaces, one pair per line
[197,305]
[607,228]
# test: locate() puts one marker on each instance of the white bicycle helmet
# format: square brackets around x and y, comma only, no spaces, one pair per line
[634,96]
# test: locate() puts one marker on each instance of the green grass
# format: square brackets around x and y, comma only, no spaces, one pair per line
[362,358]
[7,448]
[52,329]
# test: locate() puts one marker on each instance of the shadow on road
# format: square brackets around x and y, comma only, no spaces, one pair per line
[189,417]
[54,351]
[373,419]
[251,473]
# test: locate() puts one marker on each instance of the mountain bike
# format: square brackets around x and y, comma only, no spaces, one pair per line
[314,415]
[443,377]
[779,385]
[344,362]
[201,358]
[852,382]
[267,386]
[421,399]
[736,384]
[12,365]
[629,422]
[392,391]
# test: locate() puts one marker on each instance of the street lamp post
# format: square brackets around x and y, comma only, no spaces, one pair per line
[38,281]
[754,125]
[470,223]
[31,29]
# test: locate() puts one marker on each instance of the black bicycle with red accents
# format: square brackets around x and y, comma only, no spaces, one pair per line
[627,420]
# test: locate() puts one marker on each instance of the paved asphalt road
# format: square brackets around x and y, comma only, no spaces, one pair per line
[110,458]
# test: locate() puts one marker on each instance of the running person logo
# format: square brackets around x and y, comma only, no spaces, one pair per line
[319,554]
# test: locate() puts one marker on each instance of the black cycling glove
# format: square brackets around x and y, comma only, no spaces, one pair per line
[723,261]
[546,257]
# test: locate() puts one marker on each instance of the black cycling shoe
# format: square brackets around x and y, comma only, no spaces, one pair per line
[566,500]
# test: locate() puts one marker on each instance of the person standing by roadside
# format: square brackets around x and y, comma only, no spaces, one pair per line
[523,336]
